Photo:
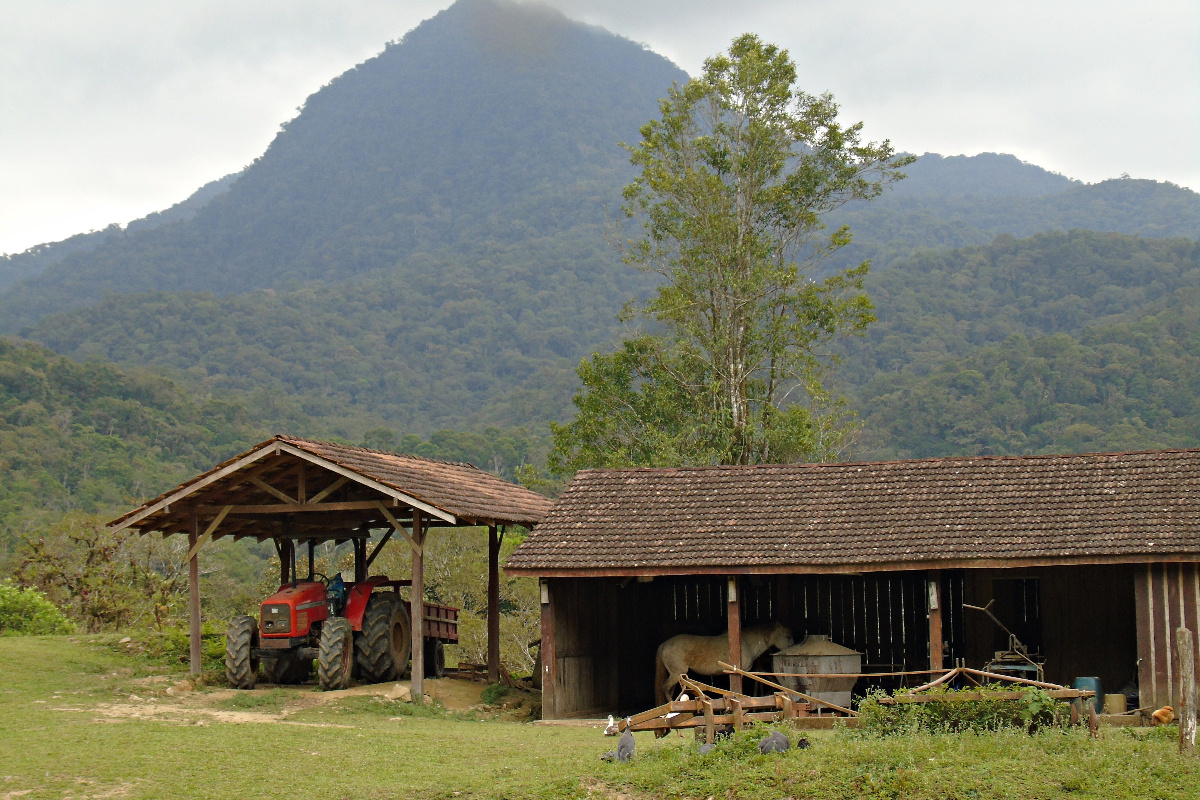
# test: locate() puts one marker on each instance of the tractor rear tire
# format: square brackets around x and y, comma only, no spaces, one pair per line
[336,660]
[241,667]
[288,669]
[386,640]
[435,659]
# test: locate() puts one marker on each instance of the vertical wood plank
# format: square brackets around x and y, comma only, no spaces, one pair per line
[549,655]
[1144,599]
[734,616]
[1167,629]
[493,607]
[1185,655]
[934,583]
[194,596]
[417,609]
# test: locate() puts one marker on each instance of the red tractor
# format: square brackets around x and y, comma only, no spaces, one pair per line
[352,630]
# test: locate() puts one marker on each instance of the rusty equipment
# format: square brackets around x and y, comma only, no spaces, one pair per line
[1016,661]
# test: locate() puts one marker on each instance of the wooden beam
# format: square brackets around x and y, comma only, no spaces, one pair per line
[297,508]
[734,617]
[413,540]
[208,532]
[934,590]
[271,490]
[403,497]
[301,483]
[378,547]
[199,484]
[416,606]
[194,596]
[493,606]
[549,663]
[330,489]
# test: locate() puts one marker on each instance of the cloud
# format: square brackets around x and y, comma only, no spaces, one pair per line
[111,110]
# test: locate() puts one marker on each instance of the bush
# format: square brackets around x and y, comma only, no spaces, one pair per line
[1035,709]
[28,612]
[494,693]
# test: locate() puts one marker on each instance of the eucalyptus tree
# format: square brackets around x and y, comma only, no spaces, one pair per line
[731,365]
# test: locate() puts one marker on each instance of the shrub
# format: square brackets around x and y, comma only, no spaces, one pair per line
[28,612]
[494,693]
[1034,709]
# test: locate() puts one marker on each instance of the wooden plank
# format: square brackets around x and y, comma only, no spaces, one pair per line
[192,488]
[413,541]
[199,542]
[734,617]
[710,723]
[934,578]
[776,686]
[968,697]
[194,597]
[271,490]
[378,547]
[330,489]
[416,606]
[297,508]
[493,605]
[548,653]
[1185,654]
[735,708]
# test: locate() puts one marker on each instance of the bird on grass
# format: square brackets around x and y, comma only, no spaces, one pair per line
[612,729]
[774,742]
[802,744]
[625,745]
[705,748]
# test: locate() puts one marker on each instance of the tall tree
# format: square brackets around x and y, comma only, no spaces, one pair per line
[735,179]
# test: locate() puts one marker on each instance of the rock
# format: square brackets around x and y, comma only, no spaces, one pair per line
[705,748]
[400,693]
[126,640]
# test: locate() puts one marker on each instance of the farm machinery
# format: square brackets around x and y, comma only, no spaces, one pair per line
[353,630]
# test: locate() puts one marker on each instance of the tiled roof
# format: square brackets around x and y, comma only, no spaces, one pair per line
[463,490]
[872,515]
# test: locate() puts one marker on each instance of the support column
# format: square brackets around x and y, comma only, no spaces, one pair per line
[934,585]
[735,634]
[194,595]
[493,607]
[417,609]
[549,666]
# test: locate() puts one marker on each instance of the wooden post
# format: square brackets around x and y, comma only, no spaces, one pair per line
[417,609]
[735,634]
[549,666]
[935,618]
[493,607]
[194,596]
[1185,658]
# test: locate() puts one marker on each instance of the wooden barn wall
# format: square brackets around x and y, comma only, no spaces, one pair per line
[1081,619]
[1168,597]
[586,645]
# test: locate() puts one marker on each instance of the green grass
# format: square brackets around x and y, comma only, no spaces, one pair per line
[59,738]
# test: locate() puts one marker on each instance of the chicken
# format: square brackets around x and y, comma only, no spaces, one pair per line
[1164,716]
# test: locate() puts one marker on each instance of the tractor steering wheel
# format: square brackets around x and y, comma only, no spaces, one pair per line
[321,577]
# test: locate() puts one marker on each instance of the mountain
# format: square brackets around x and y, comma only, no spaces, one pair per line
[1058,342]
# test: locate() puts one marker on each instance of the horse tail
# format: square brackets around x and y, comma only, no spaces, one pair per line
[660,677]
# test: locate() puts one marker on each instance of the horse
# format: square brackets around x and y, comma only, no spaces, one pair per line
[684,652]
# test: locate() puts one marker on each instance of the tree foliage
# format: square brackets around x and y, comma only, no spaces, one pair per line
[737,177]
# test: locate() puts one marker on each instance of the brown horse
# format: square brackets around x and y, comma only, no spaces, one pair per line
[700,654]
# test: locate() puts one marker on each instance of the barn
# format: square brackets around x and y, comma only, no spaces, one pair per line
[1090,560]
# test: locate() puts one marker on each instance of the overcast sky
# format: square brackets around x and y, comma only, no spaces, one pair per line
[111,109]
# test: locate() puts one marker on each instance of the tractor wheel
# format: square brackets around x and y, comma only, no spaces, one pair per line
[336,659]
[288,669]
[241,668]
[386,640]
[435,659]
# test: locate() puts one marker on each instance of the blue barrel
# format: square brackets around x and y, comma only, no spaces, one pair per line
[1091,684]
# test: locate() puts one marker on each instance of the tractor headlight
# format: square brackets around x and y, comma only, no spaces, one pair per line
[276,618]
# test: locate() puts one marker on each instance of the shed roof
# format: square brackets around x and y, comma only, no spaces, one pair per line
[455,493]
[945,512]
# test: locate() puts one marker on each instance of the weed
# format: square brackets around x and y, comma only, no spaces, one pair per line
[494,693]
[262,699]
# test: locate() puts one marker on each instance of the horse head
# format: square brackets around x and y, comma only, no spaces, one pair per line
[781,637]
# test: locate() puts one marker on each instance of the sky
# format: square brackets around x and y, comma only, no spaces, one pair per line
[112,109]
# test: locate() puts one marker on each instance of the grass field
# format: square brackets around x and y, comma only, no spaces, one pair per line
[79,720]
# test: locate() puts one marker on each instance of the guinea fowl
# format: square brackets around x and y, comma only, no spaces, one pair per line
[625,745]
[774,742]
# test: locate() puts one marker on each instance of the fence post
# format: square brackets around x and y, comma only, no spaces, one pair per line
[1185,658]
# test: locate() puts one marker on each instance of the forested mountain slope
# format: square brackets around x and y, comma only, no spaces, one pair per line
[1060,342]
[489,134]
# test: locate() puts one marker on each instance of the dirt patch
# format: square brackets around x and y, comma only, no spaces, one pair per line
[595,788]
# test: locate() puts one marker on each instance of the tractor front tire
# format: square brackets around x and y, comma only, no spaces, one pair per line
[288,669]
[241,667]
[386,640]
[335,661]
[435,659]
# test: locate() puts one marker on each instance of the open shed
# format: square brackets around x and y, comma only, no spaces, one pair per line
[1089,559]
[298,490]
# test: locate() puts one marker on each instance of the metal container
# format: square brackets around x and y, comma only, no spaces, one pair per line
[1114,704]
[817,655]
